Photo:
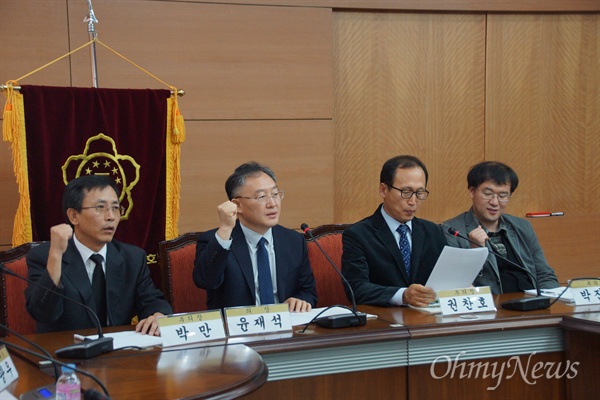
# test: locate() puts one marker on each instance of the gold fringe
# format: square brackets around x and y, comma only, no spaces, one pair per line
[175,136]
[13,131]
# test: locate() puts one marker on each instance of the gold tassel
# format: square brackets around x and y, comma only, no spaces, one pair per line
[177,124]
[176,136]
[8,120]
[13,131]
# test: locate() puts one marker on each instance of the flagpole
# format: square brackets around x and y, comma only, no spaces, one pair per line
[91,19]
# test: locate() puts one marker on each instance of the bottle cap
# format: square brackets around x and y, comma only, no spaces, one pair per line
[68,368]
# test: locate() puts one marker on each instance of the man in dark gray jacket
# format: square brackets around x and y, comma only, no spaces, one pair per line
[490,185]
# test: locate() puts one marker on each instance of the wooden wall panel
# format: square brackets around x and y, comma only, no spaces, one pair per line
[407,84]
[543,109]
[432,5]
[299,152]
[568,250]
[29,38]
[234,62]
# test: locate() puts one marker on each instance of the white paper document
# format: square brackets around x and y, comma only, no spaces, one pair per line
[127,339]
[567,297]
[456,268]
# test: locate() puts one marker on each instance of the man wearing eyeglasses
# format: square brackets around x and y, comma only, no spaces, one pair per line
[388,257]
[251,259]
[84,263]
[491,185]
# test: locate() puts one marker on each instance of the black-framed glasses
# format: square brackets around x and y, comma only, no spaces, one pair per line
[488,195]
[407,193]
[103,209]
[264,199]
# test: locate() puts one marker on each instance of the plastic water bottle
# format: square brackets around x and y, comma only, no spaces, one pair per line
[68,386]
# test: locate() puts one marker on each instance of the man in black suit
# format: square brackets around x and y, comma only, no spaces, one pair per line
[228,259]
[117,286]
[373,261]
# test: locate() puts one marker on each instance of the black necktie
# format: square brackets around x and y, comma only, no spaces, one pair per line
[265,282]
[99,288]
[404,247]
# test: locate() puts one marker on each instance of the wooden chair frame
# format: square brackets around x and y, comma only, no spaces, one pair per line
[12,298]
[164,249]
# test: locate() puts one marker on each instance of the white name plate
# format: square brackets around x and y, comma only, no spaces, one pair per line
[258,319]
[191,327]
[8,372]
[585,291]
[467,300]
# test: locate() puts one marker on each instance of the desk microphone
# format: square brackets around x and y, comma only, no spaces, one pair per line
[86,348]
[538,302]
[338,320]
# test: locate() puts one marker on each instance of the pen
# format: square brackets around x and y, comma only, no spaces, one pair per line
[538,214]
[544,214]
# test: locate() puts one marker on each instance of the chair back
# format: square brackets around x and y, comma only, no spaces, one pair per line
[177,257]
[330,288]
[12,291]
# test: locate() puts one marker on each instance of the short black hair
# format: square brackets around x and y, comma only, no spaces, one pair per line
[76,190]
[237,180]
[388,171]
[494,171]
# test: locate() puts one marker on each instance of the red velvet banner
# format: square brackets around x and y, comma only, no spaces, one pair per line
[117,132]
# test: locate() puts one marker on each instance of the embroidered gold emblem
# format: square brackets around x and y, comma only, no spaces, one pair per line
[100,157]
[152,258]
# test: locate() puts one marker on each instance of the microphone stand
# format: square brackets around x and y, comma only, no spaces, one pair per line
[338,320]
[37,346]
[85,349]
[537,302]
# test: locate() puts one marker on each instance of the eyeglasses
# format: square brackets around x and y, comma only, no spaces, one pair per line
[264,199]
[489,195]
[103,209]
[407,194]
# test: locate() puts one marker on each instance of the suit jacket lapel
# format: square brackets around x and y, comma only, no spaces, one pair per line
[73,271]
[239,248]
[282,250]
[472,223]
[515,243]
[383,233]
[417,238]
[115,277]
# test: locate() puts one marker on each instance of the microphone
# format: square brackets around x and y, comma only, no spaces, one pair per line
[86,348]
[55,361]
[338,320]
[538,302]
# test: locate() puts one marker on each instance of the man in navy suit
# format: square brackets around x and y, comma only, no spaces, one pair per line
[65,265]
[250,259]
[372,259]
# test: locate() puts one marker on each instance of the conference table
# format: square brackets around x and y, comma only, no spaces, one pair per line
[392,356]
[403,353]
[194,372]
